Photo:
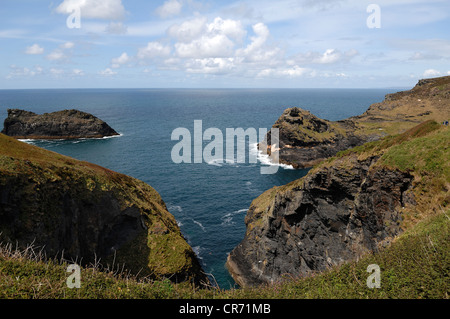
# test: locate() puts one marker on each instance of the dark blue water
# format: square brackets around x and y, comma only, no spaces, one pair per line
[208,201]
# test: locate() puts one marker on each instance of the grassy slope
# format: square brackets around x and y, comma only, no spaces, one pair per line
[416,265]
[168,253]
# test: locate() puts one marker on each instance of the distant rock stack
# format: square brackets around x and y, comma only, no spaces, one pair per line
[67,124]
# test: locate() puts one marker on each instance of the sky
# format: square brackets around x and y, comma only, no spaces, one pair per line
[222,44]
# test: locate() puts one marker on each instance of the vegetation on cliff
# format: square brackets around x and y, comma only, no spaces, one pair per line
[384,202]
[415,265]
[84,212]
[346,207]
[305,139]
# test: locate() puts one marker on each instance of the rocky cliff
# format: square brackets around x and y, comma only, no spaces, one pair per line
[343,208]
[84,212]
[305,139]
[67,124]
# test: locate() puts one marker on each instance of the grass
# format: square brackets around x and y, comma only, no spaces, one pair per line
[42,179]
[415,266]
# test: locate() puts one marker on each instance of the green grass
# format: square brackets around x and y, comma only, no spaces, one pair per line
[415,266]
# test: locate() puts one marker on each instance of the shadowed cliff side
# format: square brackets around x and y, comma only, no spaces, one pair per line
[345,207]
[84,212]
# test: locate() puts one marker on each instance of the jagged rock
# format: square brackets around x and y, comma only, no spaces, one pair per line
[67,124]
[333,215]
[305,139]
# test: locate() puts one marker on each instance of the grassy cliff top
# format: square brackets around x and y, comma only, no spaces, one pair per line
[166,250]
[415,265]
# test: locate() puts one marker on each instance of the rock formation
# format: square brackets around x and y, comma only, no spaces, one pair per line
[331,216]
[305,139]
[87,213]
[352,203]
[67,124]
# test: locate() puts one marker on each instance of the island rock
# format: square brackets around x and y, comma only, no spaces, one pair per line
[67,124]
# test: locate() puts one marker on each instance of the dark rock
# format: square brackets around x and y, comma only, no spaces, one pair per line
[67,124]
[333,215]
[87,213]
[305,140]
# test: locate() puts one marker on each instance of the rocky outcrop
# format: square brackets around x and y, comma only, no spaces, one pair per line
[87,213]
[331,216]
[67,124]
[344,207]
[305,140]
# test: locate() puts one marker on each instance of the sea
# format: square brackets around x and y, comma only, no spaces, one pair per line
[209,199]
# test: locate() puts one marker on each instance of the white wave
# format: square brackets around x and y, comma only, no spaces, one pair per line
[217,163]
[114,136]
[197,250]
[264,159]
[199,224]
[28,141]
[227,219]
[74,141]
[175,208]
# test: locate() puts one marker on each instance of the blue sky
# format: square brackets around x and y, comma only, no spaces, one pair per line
[222,44]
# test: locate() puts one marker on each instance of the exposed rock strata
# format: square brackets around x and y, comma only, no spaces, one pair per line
[331,216]
[87,213]
[305,139]
[67,124]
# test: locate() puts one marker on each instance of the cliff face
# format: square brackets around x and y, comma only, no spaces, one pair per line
[84,212]
[305,139]
[345,207]
[65,124]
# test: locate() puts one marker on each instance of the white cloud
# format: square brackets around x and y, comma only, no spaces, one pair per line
[17,71]
[94,9]
[188,30]
[210,65]
[56,55]
[56,72]
[78,72]
[153,50]
[431,73]
[231,28]
[207,46]
[198,39]
[330,56]
[67,45]
[34,49]
[107,72]
[294,71]
[169,8]
[122,59]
